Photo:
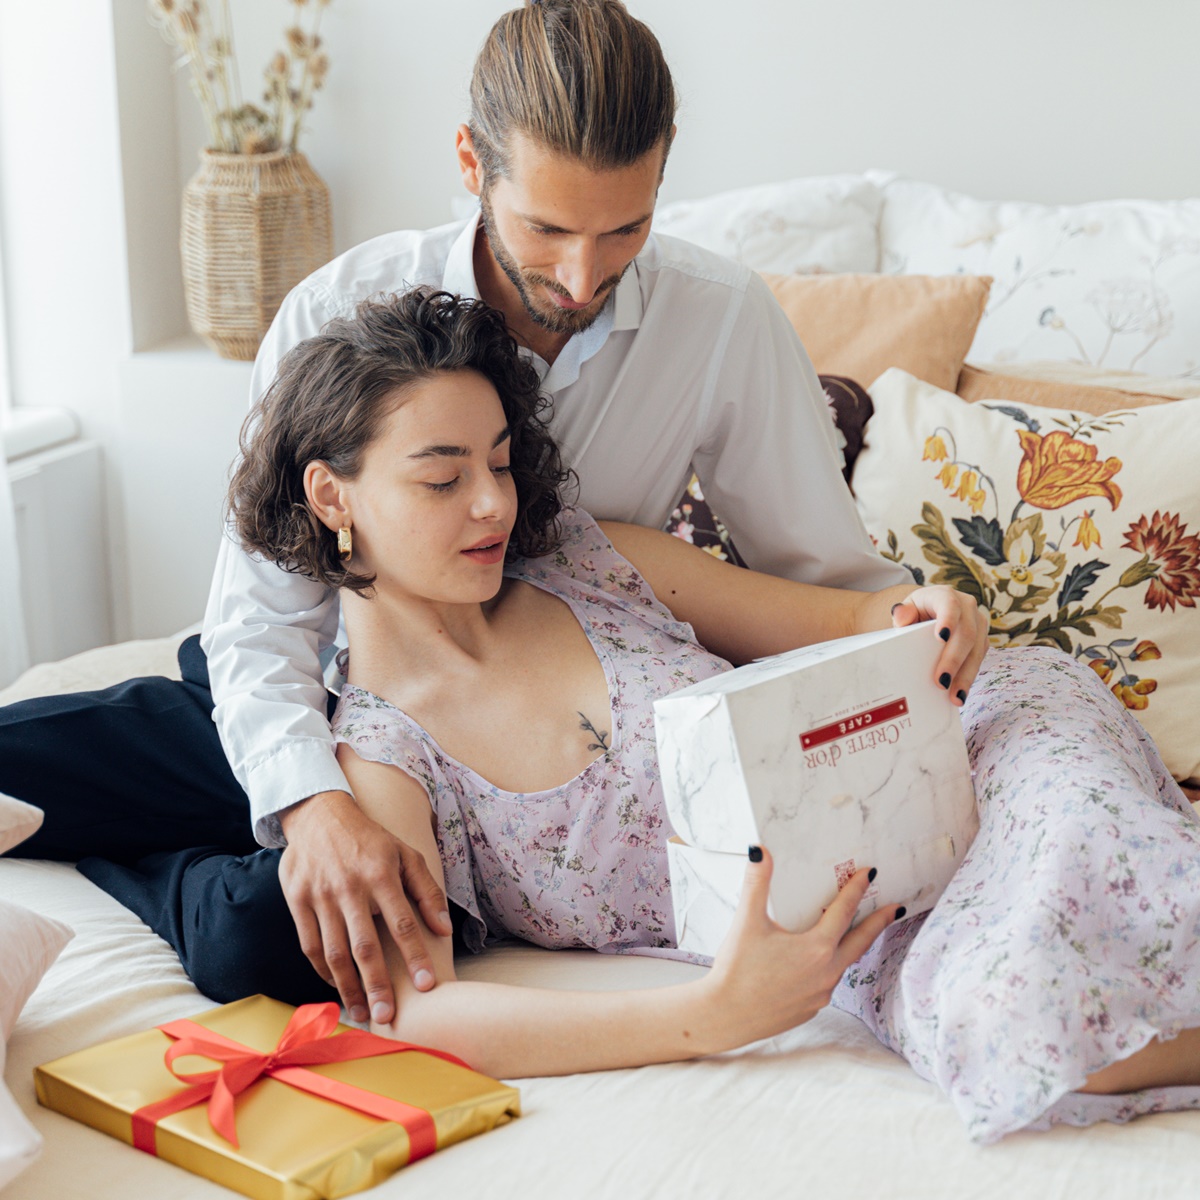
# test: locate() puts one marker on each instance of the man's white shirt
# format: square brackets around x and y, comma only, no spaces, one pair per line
[691,365]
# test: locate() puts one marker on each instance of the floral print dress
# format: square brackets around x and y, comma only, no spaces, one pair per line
[1068,938]
[582,865]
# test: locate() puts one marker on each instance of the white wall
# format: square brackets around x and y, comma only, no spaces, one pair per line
[1048,100]
[67,302]
[1061,101]
[1053,101]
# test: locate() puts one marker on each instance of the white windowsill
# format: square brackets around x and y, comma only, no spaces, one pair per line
[27,430]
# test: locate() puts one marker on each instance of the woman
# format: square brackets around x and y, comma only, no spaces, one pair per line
[505,654]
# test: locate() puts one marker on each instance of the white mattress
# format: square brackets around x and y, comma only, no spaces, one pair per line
[823,1111]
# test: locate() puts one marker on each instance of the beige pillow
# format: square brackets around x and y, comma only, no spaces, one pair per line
[18,821]
[1073,530]
[1172,387]
[975,384]
[860,325]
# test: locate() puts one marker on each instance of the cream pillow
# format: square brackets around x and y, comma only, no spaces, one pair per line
[1076,531]
[29,943]
[17,821]
[859,325]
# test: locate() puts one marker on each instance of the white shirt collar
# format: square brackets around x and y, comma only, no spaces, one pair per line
[458,276]
[622,312]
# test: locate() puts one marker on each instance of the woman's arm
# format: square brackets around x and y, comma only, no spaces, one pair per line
[765,979]
[743,615]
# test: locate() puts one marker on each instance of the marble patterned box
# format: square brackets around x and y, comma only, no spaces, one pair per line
[834,756]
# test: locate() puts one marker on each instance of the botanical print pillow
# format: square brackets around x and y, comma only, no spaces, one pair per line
[1113,283]
[1072,530]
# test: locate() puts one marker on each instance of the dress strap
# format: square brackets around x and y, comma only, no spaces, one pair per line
[586,567]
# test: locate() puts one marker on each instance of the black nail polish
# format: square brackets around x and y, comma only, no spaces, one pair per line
[901,911]
[944,634]
[756,854]
[962,695]
[896,606]
[871,875]
[944,680]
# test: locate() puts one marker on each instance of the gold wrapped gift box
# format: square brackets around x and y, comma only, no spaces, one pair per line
[289,1143]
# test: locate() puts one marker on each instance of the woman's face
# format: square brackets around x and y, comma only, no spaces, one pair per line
[434,503]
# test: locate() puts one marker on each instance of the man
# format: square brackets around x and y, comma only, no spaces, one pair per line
[658,357]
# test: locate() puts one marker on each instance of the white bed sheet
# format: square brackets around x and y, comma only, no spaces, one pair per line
[823,1111]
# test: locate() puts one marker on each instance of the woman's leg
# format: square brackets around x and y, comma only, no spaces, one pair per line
[1069,939]
[1161,1064]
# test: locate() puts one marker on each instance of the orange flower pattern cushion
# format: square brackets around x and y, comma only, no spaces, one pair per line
[1073,530]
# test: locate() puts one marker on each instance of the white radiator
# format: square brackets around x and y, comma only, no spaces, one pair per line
[58,495]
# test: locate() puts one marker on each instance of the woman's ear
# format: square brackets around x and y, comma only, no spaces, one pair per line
[327,496]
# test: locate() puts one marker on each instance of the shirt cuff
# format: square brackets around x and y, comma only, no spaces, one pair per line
[302,768]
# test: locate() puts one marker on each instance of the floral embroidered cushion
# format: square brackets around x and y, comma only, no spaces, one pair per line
[695,522]
[1113,283]
[1073,530]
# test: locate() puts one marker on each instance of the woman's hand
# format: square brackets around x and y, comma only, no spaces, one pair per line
[960,623]
[766,980]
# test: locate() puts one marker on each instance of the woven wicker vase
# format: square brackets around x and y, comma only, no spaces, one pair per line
[254,225]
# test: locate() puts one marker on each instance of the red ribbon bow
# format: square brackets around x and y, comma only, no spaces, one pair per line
[306,1041]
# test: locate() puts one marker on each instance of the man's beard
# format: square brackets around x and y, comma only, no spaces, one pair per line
[555,319]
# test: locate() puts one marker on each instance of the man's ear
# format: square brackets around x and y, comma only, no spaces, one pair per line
[468,162]
[327,496]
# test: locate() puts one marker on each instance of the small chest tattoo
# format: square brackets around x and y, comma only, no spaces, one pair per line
[601,736]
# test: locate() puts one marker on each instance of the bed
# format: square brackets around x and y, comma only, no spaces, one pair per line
[823,1110]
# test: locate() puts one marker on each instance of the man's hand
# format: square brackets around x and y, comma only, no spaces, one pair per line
[339,871]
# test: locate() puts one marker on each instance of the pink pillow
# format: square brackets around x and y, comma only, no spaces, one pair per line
[29,943]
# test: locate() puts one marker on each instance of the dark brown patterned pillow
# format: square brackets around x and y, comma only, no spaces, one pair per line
[695,522]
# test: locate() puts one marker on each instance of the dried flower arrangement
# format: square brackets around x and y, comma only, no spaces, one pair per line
[293,75]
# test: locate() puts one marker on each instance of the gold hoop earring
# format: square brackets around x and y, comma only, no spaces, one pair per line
[345,542]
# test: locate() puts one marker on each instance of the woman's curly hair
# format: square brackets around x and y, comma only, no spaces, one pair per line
[331,397]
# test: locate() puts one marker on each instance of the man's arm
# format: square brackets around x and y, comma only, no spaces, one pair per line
[769,465]
[264,630]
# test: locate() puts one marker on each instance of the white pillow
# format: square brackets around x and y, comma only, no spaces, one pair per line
[17,821]
[1114,283]
[804,226]
[29,943]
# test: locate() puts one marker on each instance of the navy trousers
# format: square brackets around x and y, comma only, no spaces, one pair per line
[137,791]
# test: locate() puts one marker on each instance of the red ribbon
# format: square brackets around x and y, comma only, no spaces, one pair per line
[305,1042]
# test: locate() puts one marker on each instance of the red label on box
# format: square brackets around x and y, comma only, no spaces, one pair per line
[850,725]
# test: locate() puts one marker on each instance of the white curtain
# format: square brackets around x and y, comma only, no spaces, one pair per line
[14,648]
